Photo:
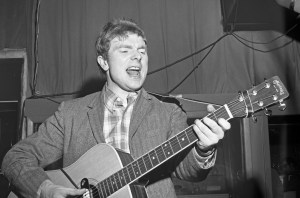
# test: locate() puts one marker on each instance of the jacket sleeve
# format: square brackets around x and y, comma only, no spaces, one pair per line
[190,165]
[24,162]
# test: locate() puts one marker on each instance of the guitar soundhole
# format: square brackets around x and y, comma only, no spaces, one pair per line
[93,191]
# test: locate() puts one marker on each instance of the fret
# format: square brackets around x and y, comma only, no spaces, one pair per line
[114,183]
[153,158]
[121,178]
[117,180]
[215,117]
[126,175]
[101,189]
[211,116]
[222,112]
[141,165]
[136,169]
[168,150]
[131,172]
[175,144]
[191,135]
[106,187]
[110,185]
[160,153]
[183,139]
[225,112]
[147,161]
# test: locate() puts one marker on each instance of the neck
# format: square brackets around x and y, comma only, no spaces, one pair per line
[123,94]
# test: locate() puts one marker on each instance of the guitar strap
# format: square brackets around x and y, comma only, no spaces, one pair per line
[69,178]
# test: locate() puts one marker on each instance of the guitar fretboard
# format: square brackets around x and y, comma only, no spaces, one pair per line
[155,157]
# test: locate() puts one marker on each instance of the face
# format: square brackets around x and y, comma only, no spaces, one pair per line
[127,64]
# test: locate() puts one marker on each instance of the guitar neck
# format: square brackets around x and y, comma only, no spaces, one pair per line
[157,156]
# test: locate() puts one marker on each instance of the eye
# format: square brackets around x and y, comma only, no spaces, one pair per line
[142,51]
[123,50]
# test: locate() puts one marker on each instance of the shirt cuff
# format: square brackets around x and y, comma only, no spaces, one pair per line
[207,159]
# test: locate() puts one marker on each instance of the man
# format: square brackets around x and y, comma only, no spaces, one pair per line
[123,115]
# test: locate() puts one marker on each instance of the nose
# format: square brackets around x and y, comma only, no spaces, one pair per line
[136,55]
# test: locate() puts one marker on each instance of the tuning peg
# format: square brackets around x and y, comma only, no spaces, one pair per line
[268,112]
[254,118]
[282,106]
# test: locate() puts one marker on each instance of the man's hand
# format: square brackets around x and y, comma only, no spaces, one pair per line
[50,190]
[209,132]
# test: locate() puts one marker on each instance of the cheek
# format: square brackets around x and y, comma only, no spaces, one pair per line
[145,63]
[116,64]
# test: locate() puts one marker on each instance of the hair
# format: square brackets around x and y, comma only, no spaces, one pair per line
[116,28]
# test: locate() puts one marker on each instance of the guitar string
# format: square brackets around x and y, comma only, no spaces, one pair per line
[131,170]
[139,165]
[216,113]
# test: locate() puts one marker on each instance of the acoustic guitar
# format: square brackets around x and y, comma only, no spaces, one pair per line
[113,173]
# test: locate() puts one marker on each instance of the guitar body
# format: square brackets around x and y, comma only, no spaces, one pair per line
[96,164]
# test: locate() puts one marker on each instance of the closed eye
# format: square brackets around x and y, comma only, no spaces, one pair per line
[142,51]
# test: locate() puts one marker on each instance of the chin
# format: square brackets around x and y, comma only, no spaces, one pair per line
[135,88]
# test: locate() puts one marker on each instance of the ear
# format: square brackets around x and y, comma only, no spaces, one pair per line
[103,63]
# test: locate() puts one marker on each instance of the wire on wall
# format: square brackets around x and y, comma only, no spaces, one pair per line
[36,55]
[267,42]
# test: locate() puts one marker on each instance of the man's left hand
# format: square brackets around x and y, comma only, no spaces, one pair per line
[210,132]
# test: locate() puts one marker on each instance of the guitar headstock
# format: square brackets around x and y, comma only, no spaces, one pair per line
[266,94]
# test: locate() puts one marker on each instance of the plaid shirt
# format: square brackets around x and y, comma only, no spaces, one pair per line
[117,119]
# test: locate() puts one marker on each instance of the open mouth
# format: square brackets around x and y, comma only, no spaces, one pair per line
[134,71]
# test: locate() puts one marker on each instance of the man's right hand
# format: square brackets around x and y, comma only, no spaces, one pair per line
[50,190]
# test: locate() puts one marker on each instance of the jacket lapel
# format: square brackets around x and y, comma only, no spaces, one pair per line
[141,108]
[96,117]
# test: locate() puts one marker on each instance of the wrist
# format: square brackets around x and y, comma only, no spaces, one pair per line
[205,152]
[42,191]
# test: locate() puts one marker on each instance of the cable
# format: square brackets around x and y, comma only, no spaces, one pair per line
[212,45]
[259,50]
[176,86]
[235,15]
[186,57]
[268,42]
[36,58]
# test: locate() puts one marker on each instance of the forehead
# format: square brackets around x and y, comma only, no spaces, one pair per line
[128,39]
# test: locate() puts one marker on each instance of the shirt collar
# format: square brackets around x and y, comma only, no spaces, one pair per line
[113,101]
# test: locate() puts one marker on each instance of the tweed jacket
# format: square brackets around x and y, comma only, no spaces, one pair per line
[76,127]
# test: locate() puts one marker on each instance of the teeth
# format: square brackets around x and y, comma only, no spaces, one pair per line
[134,68]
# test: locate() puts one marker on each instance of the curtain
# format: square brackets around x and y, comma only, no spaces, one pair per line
[175,29]
[17,28]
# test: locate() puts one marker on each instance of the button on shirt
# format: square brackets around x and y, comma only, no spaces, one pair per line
[117,119]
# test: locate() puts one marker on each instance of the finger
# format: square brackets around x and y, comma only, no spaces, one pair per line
[204,133]
[224,124]
[77,191]
[210,108]
[215,128]
[204,141]
[201,128]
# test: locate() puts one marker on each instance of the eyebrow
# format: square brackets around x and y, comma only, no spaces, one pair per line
[122,45]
